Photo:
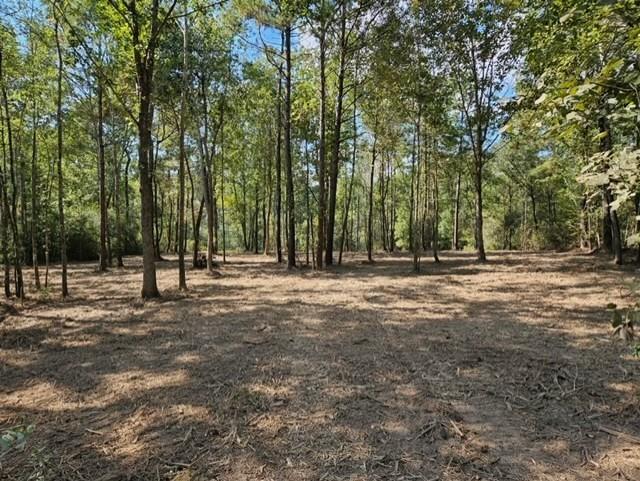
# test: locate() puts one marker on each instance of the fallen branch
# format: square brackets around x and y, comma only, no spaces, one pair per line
[620,434]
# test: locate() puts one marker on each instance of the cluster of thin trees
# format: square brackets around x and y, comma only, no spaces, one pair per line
[283,126]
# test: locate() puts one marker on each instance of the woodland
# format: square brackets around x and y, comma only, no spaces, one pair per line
[319,239]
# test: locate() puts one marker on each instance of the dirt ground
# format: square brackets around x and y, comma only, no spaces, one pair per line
[502,371]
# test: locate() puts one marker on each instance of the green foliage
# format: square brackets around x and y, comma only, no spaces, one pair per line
[430,84]
[15,439]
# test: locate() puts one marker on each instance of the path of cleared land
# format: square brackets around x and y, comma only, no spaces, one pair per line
[503,371]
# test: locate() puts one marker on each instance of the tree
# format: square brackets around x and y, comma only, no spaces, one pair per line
[59,120]
[145,22]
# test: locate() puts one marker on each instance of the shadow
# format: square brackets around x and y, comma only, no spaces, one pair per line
[497,371]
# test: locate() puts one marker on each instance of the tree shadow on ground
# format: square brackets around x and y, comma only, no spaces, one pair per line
[363,373]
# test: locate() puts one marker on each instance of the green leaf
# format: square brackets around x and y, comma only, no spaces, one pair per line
[633,240]
[541,99]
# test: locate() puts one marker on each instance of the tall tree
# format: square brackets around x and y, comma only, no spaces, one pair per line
[59,120]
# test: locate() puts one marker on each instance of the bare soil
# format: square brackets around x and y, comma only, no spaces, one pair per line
[500,371]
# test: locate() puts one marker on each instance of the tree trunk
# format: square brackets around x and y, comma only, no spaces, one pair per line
[222,167]
[415,213]
[584,233]
[354,154]
[612,230]
[307,204]
[62,231]
[256,218]
[335,153]
[371,187]
[116,203]
[436,208]
[11,208]
[102,180]
[268,205]
[456,214]
[479,236]
[291,212]
[278,207]
[34,199]
[5,212]
[208,178]
[127,211]
[322,154]
[182,276]
[149,284]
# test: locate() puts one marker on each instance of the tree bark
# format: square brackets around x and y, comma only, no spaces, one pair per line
[436,208]
[34,199]
[291,213]
[102,179]
[182,276]
[322,155]
[117,166]
[371,187]
[456,214]
[11,207]
[335,153]
[5,211]
[278,207]
[612,230]
[62,231]
[354,154]
[145,62]
[479,236]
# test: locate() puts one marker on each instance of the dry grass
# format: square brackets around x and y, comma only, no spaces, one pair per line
[503,371]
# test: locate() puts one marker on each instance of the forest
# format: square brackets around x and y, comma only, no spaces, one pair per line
[319,239]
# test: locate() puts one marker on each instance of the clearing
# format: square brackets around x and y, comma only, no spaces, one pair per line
[502,371]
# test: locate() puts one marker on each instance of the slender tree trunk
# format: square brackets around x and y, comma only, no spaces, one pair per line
[279,166]
[127,210]
[207,175]
[417,218]
[436,208]
[584,234]
[288,160]
[268,206]
[62,232]
[256,219]
[307,204]
[34,199]
[322,154]
[11,207]
[102,180]
[382,184]
[456,214]
[196,233]
[222,167]
[117,166]
[182,276]
[392,209]
[354,154]
[412,189]
[335,153]
[371,187]
[170,226]
[482,257]
[5,211]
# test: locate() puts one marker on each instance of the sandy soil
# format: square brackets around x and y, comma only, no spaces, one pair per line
[503,371]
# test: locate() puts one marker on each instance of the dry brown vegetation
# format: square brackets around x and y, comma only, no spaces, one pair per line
[503,371]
